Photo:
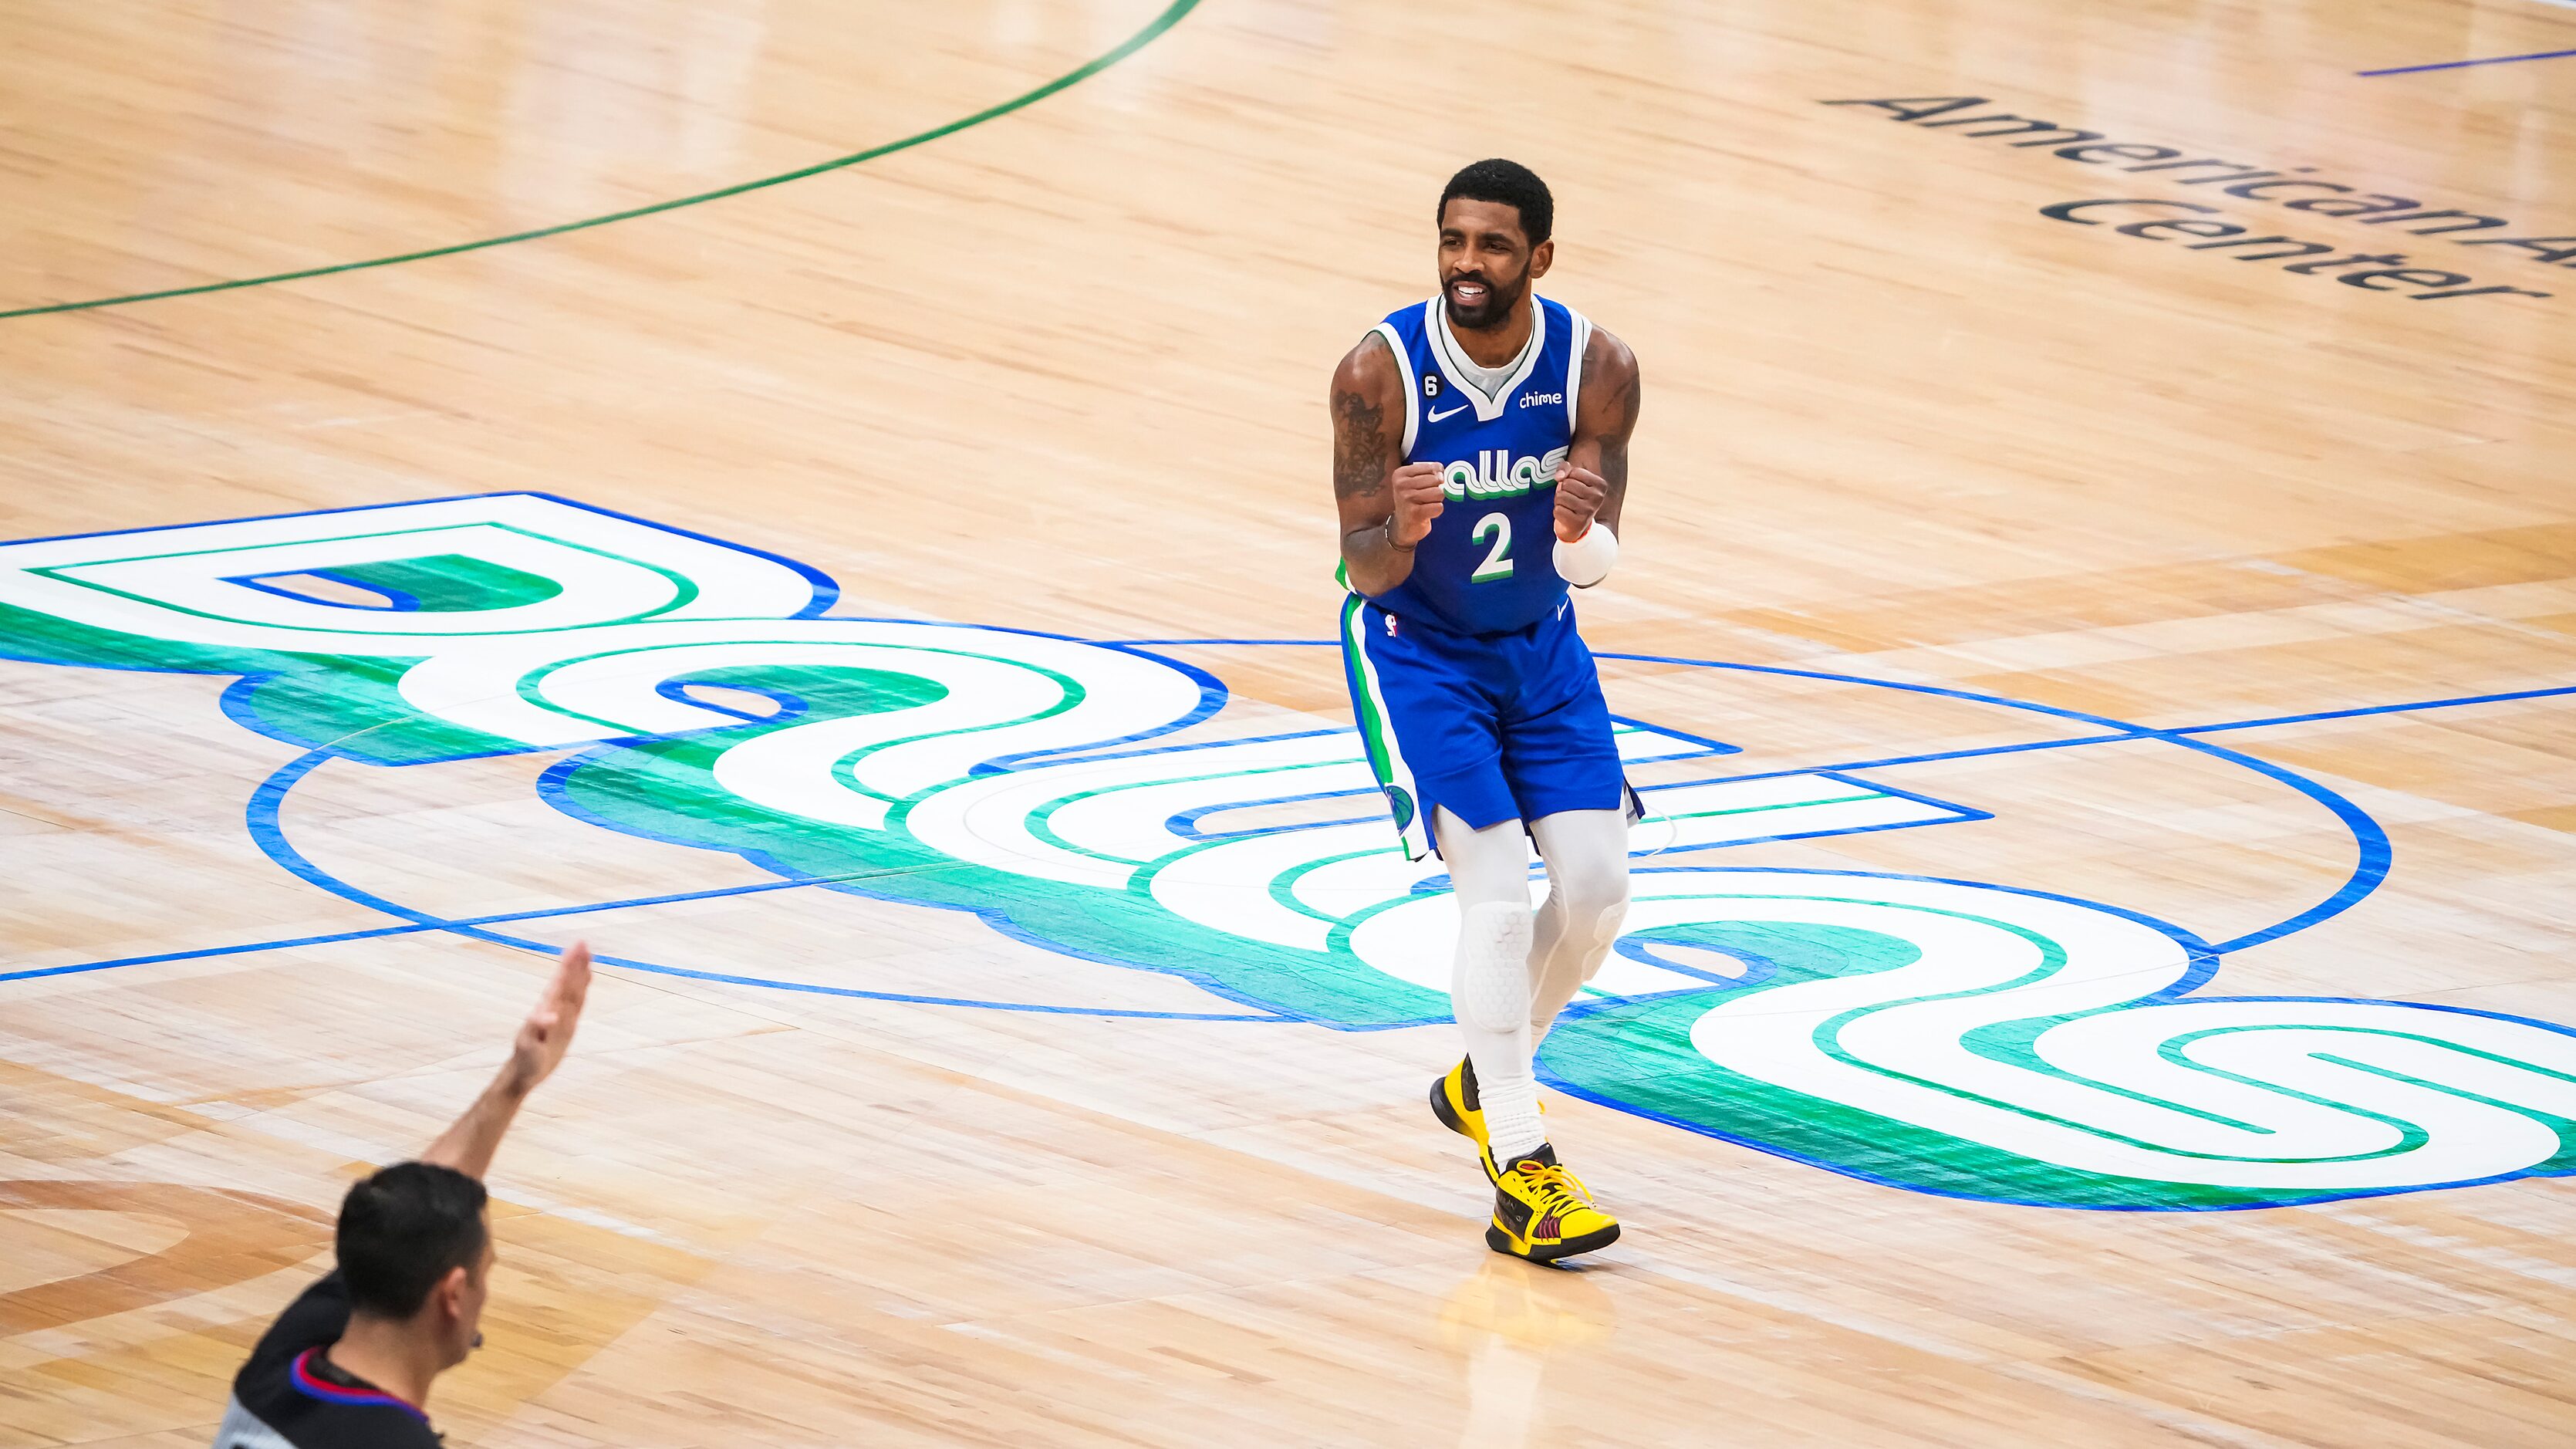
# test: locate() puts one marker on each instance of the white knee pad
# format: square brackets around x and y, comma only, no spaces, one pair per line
[1492,988]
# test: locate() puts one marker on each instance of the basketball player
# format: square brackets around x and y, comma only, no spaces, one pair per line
[1480,455]
[348,1365]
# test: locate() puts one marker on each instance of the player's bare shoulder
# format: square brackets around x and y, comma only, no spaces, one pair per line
[1366,378]
[1370,364]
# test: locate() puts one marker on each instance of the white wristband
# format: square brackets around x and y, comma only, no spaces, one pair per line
[1587,560]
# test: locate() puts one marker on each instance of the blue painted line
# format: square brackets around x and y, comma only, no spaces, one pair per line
[2562,1028]
[1211,643]
[811,988]
[2464,64]
[1684,756]
[262,819]
[2371,709]
[424,923]
[1640,861]
[2203,956]
[2371,847]
[826,591]
[2146,733]
[1964,812]
[1212,691]
[395,600]
[314,513]
[789,706]
[2130,731]
[401,603]
[1889,761]
[1962,818]
[1087,757]
[1641,949]
[1707,746]
[1212,697]
[1185,824]
[236,702]
[240,950]
[2374,854]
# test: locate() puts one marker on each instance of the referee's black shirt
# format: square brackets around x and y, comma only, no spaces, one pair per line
[290,1397]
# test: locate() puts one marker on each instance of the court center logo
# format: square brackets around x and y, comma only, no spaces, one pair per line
[1949,1036]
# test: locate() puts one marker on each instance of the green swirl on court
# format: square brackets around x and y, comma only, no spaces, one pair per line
[1945,1036]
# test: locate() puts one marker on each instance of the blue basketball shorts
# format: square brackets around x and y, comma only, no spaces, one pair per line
[1493,727]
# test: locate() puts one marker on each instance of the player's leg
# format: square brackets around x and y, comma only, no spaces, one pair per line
[1420,705]
[1587,898]
[1559,757]
[1540,1211]
[1490,981]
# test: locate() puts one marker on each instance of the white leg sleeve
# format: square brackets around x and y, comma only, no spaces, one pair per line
[1490,990]
[1587,899]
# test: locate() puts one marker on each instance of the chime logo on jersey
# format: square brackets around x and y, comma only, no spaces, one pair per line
[1495,473]
[1950,1036]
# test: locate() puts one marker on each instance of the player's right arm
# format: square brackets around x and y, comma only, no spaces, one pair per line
[1386,504]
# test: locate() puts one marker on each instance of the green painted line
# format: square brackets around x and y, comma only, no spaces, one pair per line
[1171,16]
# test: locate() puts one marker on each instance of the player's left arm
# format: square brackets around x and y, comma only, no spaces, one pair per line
[1592,482]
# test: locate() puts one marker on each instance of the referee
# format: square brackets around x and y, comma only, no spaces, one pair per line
[348,1365]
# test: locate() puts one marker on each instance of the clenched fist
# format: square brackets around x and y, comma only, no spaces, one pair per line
[1418,500]
[1580,493]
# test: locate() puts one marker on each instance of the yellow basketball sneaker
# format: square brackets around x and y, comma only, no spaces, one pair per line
[1454,1102]
[1543,1212]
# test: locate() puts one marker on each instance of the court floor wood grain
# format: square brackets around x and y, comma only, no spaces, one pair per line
[1062,369]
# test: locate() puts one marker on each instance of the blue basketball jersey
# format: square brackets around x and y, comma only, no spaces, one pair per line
[1488,564]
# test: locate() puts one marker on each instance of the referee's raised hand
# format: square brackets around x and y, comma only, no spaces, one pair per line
[548,1029]
[468,1145]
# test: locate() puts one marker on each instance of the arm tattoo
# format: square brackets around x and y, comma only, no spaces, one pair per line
[1359,447]
[1624,402]
[1364,453]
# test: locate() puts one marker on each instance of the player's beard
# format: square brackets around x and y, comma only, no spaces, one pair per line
[1500,299]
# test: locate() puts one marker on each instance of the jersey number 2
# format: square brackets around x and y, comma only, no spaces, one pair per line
[1498,562]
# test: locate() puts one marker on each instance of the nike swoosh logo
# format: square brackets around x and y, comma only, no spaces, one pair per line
[1453,412]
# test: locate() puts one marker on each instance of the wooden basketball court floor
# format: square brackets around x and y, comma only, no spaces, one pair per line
[2101,966]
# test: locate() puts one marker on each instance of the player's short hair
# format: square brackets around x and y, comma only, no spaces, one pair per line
[404,1229]
[1511,184]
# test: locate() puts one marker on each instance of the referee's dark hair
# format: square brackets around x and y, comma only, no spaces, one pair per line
[404,1229]
[1513,185]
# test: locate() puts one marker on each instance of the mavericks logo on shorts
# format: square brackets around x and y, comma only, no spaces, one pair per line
[1399,801]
